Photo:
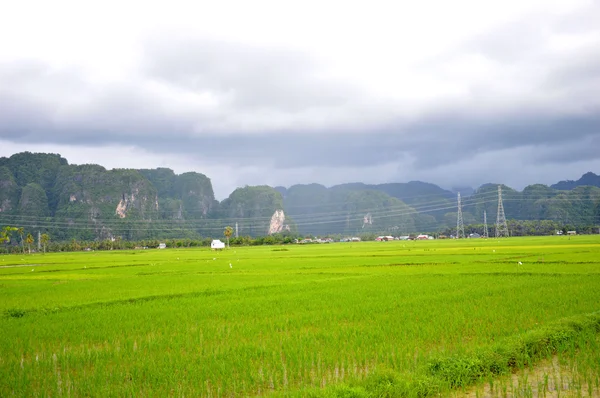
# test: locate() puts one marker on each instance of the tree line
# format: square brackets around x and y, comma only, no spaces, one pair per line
[17,240]
[7,233]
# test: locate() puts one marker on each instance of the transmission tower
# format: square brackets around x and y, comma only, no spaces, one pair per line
[501,226]
[460,228]
[485,228]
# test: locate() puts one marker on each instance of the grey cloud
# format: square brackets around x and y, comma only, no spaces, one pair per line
[569,151]
[442,139]
[250,76]
[582,20]
[126,116]
[531,58]
[525,39]
[507,43]
[430,144]
[273,82]
[580,73]
[58,106]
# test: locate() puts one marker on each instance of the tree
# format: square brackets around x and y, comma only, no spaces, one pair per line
[29,241]
[45,238]
[21,232]
[228,232]
[6,233]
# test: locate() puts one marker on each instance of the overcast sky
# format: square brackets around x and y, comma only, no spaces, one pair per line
[458,93]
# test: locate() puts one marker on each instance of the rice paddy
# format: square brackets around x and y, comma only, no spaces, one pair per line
[301,320]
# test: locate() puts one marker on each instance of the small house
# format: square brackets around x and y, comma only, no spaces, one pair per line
[162,246]
[216,244]
[571,232]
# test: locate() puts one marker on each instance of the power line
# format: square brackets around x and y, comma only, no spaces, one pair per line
[460,228]
[398,210]
[485,228]
[501,226]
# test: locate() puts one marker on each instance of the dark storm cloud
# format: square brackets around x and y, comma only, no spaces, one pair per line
[39,103]
[442,139]
[569,151]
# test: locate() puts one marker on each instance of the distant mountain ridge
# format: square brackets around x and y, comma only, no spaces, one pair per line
[589,179]
[44,192]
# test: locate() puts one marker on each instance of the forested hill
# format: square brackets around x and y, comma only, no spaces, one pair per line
[43,192]
[589,179]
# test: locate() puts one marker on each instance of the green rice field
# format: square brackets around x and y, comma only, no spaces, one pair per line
[341,319]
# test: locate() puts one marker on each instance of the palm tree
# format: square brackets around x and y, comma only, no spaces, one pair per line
[29,241]
[21,232]
[45,238]
[228,232]
[5,234]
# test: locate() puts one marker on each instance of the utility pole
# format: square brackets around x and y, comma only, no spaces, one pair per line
[236,229]
[501,226]
[39,241]
[485,228]
[460,228]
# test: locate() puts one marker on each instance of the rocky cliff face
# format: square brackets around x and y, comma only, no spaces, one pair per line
[9,191]
[277,224]
[188,196]
[90,202]
[96,193]
[196,194]
[33,201]
[252,208]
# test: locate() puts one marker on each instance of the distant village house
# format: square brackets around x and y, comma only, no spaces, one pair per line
[216,244]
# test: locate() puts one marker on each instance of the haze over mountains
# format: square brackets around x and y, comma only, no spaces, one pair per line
[44,192]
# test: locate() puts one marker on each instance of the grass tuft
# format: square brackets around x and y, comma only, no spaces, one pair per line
[14,313]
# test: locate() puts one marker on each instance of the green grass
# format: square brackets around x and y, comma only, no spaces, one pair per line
[337,319]
[572,372]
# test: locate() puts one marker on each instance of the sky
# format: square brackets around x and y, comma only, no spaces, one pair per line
[457,93]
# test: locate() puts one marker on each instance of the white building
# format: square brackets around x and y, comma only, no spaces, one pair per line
[216,244]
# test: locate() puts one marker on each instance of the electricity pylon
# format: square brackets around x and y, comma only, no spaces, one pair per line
[485,228]
[460,228]
[501,226]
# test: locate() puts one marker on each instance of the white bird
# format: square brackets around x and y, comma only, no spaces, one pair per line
[230,266]
[520,263]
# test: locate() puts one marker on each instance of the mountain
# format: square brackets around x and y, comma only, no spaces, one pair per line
[43,192]
[9,191]
[189,195]
[588,179]
[252,208]
[358,208]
